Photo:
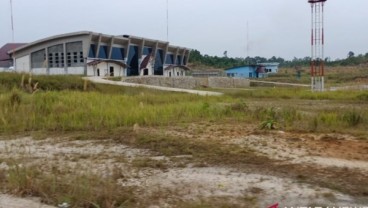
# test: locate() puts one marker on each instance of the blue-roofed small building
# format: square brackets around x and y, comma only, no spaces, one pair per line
[252,71]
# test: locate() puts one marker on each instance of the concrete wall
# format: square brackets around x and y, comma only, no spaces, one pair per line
[104,68]
[23,64]
[56,71]
[227,82]
[189,82]
[175,72]
[39,71]
[76,70]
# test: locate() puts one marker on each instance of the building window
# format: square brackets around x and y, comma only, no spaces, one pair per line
[57,61]
[62,60]
[103,52]
[69,59]
[147,50]
[56,56]
[169,59]
[75,57]
[75,54]
[38,59]
[81,58]
[117,53]
[178,60]
[51,60]
[159,59]
[133,61]
[92,51]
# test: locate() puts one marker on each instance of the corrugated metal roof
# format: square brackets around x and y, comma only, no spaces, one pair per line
[8,47]
[97,61]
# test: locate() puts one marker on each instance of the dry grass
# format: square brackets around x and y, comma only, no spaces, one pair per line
[103,112]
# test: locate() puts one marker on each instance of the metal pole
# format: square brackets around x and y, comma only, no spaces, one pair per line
[167,20]
[11,17]
[312,49]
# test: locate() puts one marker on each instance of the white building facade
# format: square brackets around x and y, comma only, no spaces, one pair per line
[95,54]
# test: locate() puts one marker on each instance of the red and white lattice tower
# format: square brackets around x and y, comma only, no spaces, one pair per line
[317,41]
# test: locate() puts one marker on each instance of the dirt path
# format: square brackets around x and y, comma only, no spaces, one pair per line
[7,201]
[178,178]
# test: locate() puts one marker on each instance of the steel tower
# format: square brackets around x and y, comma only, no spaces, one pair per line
[317,41]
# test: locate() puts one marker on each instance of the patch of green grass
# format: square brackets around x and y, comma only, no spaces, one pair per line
[73,110]
[46,82]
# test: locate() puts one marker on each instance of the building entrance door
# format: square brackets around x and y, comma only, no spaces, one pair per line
[111,71]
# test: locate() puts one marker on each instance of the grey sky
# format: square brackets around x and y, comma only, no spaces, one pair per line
[276,27]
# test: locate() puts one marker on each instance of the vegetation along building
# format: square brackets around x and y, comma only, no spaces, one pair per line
[253,71]
[95,54]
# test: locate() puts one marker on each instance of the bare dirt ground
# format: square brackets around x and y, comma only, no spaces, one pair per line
[179,178]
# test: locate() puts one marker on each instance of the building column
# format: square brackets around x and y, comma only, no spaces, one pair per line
[47,61]
[126,51]
[188,54]
[154,53]
[110,47]
[165,53]
[140,54]
[182,57]
[176,56]
[98,45]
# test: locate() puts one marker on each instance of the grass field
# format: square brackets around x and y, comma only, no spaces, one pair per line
[334,76]
[67,106]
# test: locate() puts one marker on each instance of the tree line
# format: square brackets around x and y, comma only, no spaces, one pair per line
[226,62]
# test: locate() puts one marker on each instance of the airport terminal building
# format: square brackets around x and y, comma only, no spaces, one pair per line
[95,54]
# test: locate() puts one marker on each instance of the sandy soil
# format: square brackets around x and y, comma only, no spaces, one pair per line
[190,181]
[7,201]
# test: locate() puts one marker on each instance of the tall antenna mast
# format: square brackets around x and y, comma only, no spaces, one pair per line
[167,20]
[11,17]
[317,42]
[247,38]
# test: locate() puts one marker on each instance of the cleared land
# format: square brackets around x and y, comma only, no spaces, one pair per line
[93,145]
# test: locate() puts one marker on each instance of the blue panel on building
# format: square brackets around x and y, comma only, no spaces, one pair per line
[252,71]
[147,50]
[92,51]
[159,66]
[117,53]
[169,59]
[133,61]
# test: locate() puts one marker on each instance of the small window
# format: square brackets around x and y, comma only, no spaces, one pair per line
[81,58]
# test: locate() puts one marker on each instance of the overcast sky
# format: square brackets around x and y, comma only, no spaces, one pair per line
[276,27]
